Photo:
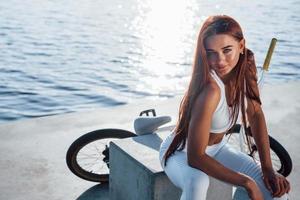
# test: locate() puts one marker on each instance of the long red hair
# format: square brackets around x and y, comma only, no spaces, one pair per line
[243,85]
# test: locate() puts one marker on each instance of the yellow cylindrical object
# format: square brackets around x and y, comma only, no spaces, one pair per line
[269,54]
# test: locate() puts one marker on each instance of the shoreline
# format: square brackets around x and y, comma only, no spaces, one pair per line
[129,102]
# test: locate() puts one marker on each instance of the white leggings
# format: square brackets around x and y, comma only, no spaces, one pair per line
[194,183]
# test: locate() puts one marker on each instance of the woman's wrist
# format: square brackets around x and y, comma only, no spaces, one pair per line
[267,169]
[247,182]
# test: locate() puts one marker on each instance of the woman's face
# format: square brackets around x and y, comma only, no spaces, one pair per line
[223,52]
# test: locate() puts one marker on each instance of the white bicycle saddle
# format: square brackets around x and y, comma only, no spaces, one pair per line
[148,125]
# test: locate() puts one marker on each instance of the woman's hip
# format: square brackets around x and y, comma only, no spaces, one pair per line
[164,147]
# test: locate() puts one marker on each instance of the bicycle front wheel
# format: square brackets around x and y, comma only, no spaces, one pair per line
[281,160]
[88,156]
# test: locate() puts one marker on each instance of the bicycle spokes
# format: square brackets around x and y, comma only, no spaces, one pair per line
[105,153]
[253,150]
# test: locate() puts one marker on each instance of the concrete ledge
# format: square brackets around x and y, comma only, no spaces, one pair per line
[135,172]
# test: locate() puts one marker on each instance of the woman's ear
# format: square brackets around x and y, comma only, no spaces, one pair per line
[242,46]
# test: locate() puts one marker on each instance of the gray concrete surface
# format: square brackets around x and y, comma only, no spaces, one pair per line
[135,172]
[32,152]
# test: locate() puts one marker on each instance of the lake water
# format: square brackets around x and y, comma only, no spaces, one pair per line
[59,56]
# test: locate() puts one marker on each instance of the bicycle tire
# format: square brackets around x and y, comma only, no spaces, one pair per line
[286,163]
[283,155]
[82,142]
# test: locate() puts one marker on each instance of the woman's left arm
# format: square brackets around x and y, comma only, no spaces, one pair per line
[255,114]
[276,183]
[259,132]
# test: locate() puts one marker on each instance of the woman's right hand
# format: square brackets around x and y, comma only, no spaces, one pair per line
[253,190]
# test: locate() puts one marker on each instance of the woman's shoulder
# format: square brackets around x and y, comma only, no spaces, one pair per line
[210,94]
[212,87]
[208,99]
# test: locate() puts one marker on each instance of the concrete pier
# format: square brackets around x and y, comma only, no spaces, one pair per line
[32,152]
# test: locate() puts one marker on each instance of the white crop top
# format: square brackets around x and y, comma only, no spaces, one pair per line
[221,117]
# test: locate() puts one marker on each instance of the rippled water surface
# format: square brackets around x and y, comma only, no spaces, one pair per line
[59,56]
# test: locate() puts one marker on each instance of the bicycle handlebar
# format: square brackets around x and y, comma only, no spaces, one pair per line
[269,54]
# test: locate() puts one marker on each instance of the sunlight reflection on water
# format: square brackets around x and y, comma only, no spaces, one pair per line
[57,57]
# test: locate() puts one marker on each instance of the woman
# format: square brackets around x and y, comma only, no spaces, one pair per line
[223,89]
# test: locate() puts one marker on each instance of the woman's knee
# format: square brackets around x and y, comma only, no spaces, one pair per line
[253,170]
[266,193]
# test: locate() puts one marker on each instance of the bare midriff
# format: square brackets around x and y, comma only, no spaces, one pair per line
[215,138]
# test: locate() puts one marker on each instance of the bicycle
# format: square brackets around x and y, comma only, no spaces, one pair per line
[95,145]
[94,140]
